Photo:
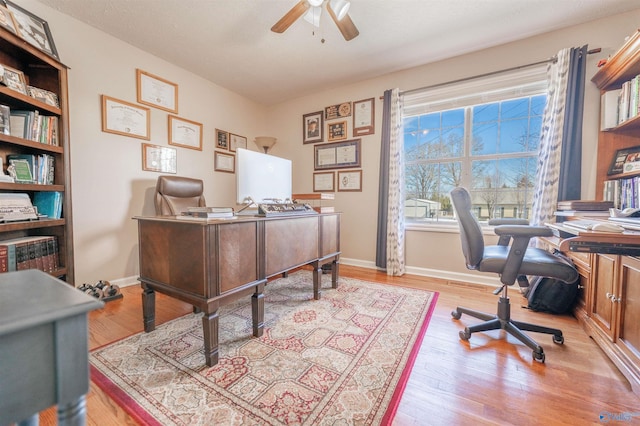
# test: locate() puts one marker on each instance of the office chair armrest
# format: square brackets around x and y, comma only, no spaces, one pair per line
[507,221]
[521,236]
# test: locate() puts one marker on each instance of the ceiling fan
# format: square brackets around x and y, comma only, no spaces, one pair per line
[311,10]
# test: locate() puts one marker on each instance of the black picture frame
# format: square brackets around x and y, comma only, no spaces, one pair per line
[625,161]
[313,127]
[33,29]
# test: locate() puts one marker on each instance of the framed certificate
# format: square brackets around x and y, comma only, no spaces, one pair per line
[185,133]
[124,118]
[337,155]
[237,141]
[363,117]
[157,158]
[350,180]
[323,182]
[156,91]
[223,162]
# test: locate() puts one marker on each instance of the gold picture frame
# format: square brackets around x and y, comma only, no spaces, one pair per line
[156,158]
[14,79]
[185,133]
[125,118]
[337,131]
[156,91]
[224,162]
[7,20]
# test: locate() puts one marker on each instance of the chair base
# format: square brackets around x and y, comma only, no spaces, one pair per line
[503,321]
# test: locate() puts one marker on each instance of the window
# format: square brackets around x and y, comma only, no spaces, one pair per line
[485,140]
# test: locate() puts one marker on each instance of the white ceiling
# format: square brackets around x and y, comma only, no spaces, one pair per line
[229,42]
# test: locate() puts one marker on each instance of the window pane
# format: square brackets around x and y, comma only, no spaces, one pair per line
[410,124]
[453,118]
[515,108]
[485,137]
[537,104]
[486,112]
[427,189]
[514,135]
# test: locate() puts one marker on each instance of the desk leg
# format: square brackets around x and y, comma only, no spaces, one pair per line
[210,328]
[148,308]
[257,310]
[73,414]
[335,273]
[317,280]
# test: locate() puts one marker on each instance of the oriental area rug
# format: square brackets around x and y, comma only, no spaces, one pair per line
[341,360]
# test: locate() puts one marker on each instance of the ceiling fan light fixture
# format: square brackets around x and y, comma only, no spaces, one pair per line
[312,16]
[315,3]
[340,8]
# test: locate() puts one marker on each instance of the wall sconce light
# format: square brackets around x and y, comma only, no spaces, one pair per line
[265,142]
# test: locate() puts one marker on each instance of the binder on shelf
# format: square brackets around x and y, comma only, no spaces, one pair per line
[609,109]
[49,203]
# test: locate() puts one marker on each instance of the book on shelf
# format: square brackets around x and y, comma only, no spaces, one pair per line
[33,126]
[16,207]
[40,170]
[583,213]
[609,109]
[33,252]
[48,203]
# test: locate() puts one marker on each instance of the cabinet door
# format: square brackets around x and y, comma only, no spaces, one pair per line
[603,310]
[582,261]
[629,329]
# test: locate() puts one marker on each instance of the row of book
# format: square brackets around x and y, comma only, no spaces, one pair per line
[625,193]
[30,125]
[32,168]
[620,105]
[36,252]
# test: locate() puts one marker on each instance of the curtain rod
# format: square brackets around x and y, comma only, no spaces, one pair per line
[552,59]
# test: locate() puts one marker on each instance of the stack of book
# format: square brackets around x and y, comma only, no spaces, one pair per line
[207,213]
[572,209]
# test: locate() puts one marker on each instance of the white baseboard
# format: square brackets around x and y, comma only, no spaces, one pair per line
[126,281]
[434,273]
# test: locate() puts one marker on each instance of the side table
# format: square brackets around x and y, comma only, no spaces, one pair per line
[44,352]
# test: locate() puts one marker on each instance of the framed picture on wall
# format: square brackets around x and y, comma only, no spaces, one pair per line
[157,158]
[237,141]
[350,180]
[156,91]
[33,29]
[185,133]
[223,162]
[363,117]
[324,182]
[337,155]
[312,127]
[222,139]
[124,118]
[337,131]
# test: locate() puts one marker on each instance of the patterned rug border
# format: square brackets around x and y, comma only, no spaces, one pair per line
[142,416]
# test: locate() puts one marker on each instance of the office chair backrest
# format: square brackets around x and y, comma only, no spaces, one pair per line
[174,194]
[470,230]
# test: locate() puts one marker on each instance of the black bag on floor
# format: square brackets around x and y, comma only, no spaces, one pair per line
[550,294]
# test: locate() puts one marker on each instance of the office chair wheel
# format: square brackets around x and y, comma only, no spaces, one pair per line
[539,356]
[465,335]
[456,315]
[558,340]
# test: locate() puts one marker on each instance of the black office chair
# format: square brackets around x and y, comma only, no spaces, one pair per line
[511,262]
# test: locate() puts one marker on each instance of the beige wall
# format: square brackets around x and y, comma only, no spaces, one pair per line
[109,186]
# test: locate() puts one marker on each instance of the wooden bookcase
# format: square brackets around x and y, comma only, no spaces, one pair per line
[47,73]
[622,66]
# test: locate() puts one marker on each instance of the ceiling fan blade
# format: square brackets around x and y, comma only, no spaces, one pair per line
[290,17]
[345,25]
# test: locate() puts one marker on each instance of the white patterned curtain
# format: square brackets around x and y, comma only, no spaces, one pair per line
[545,197]
[391,236]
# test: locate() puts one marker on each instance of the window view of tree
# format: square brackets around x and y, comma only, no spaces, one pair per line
[490,148]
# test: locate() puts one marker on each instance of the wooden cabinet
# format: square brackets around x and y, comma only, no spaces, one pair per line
[43,72]
[603,309]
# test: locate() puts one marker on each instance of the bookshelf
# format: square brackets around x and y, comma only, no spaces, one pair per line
[622,67]
[47,73]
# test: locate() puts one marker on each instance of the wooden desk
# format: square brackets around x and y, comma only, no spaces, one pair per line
[209,263]
[609,299]
[44,351]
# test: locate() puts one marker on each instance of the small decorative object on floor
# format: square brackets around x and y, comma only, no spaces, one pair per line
[102,290]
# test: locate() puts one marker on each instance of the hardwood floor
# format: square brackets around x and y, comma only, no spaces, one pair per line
[488,380]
